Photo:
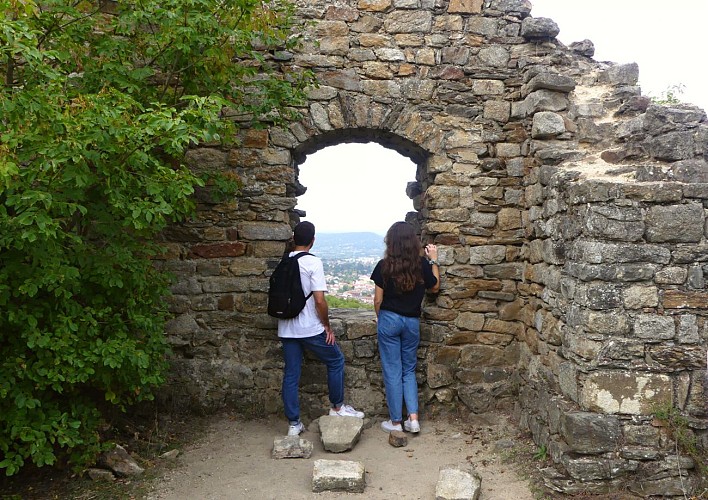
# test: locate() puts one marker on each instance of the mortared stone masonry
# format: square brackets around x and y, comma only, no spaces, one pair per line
[570,214]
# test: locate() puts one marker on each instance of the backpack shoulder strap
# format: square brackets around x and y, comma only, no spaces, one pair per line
[296,257]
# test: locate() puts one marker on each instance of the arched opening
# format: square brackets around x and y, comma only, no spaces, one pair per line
[353,193]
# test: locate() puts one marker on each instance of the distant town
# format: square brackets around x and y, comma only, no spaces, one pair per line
[350,278]
[349,259]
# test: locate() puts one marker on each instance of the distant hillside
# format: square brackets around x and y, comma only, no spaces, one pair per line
[348,245]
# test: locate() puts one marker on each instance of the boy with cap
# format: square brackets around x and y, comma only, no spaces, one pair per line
[311,331]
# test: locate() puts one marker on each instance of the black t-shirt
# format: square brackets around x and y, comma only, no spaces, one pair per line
[407,303]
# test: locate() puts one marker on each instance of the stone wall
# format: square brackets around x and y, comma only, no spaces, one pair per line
[619,331]
[615,316]
[569,213]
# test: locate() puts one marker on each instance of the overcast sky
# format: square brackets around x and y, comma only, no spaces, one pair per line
[361,187]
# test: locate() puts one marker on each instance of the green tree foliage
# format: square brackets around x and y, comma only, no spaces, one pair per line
[341,303]
[99,102]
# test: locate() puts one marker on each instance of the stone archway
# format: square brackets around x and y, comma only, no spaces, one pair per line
[569,212]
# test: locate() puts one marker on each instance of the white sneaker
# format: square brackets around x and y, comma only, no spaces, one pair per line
[411,425]
[389,426]
[346,411]
[295,430]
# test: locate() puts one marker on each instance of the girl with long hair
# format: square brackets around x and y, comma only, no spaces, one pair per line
[401,278]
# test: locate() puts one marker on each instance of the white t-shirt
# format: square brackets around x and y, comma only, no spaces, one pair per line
[307,323]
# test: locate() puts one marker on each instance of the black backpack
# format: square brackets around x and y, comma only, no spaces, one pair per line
[285,295]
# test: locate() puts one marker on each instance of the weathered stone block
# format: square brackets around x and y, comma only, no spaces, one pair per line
[654,328]
[660,193]
[508,327]
[439,375]
[470,321]
[673,146]
[634,393]
[665,118]
[697,403]
[607,323]
[614,223]
[340,434]
[671,276]
[218,250]
[264,231]
[577,344]
[364,348]
[455,483]
[539,28]
[675,223]
[543,100]
[341,13]
[547,124]
[338,475]
[291,447]
[342,79]
[465,6]
[663,487]
[206,159]
[490,254]
[595,252]
[641,296]
[689,357]
[603,296]
[374,5]
[247,266]
[224,284]
[479,25]
[621,353]
[587,469]
[487,87]
[677,299]
[484,355]
[621,74]
[641,435]
[443,197]
[590,433]
[688,329]
[447,355]
[357,330]
[417,21]
[612,272]
[550,81]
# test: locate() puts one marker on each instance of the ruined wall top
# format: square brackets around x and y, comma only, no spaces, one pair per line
[469,59]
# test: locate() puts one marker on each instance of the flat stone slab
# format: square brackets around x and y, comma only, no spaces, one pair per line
[340,434]
[338,475]
[457,483]
[291,447]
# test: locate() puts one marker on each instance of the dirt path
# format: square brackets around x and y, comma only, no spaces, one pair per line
[233,461]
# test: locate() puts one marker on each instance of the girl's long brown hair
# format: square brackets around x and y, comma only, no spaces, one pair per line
[401,262]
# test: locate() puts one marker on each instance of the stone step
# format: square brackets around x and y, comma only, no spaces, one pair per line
[340,434]
[338,475]
[458,483]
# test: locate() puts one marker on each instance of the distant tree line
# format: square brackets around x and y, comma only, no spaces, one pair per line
[340,303]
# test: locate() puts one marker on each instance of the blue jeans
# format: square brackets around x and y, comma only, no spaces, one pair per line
[398,338]
[330,355]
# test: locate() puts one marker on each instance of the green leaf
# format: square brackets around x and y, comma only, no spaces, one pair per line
[96,123]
